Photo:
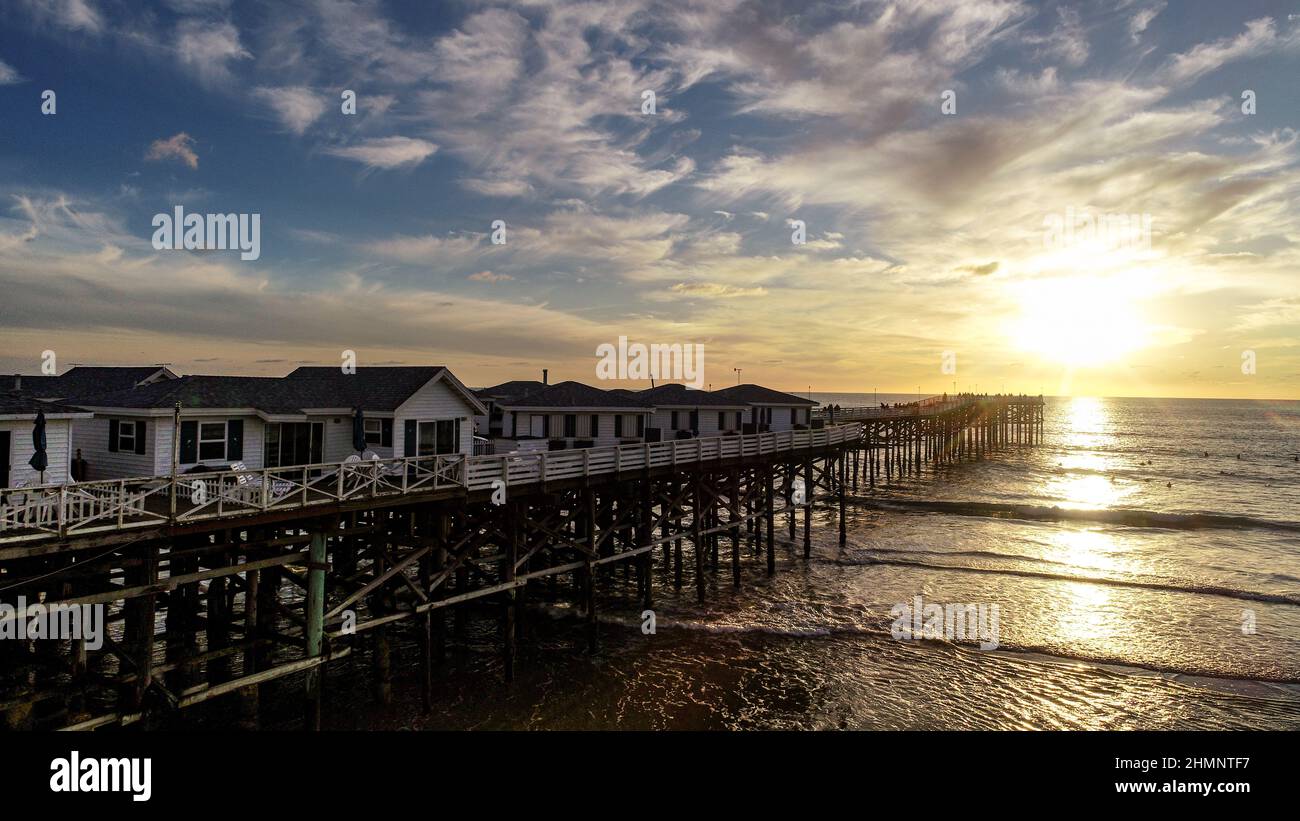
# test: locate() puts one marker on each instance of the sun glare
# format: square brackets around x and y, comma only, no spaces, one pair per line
[1081,321]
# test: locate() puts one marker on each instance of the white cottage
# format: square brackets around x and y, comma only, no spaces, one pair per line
[17,419]
[304,418]
[678,408]
[770,410]
[574,415]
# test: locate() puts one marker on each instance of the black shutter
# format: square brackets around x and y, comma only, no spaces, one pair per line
[411,443]
[112,435]
[595,425]
[139,438]
[189,442]
[386,433]
[234,440]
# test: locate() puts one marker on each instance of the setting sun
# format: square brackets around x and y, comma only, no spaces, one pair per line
[1079,321]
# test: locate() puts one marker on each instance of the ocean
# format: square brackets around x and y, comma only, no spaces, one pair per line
[1144,560]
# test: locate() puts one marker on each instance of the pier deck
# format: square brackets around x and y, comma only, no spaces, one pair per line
[258,575]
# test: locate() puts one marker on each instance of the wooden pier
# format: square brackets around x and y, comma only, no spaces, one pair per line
[219,584]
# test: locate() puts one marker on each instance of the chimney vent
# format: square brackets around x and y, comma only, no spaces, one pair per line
[545,379]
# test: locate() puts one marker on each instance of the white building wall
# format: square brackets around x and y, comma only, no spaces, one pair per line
[254,447]
[91,436]
[436,400]
[58,436]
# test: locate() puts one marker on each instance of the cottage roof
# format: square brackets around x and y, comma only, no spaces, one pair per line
[576,395]
[759,395]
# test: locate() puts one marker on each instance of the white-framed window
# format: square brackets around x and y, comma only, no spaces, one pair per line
[374,431]
[212,441]
[126,437]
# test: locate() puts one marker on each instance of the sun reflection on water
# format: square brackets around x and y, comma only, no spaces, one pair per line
[1086,476]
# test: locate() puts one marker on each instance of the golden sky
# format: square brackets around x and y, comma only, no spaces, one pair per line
[945,161]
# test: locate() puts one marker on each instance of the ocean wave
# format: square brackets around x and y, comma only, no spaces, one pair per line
[881,631]
[1168,587]
[1119,516]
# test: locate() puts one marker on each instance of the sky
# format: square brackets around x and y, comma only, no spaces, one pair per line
[946,164]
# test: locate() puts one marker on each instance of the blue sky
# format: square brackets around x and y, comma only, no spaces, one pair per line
[924,228]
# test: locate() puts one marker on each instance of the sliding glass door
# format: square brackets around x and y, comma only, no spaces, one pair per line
[294,443]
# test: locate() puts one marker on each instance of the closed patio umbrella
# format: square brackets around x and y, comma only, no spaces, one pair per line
[358,431]
[40,460]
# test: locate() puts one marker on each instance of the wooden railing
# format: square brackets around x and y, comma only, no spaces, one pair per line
[80,508]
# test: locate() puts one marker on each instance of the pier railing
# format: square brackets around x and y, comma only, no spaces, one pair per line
[928,406]
[77,508]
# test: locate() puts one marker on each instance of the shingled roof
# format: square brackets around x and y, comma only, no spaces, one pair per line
[677,395]
[576,395]
[82,381]
[759,395]
[372,389]
[511,389]
[22,405]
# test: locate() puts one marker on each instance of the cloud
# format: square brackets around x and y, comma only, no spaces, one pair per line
[488,276]
[1259,38]
[208,48]
[386,152]
[428,249]
[8,74]
[297,107]
[980,270]
[176,147]
[1138,23]
[75,15]
[716,290]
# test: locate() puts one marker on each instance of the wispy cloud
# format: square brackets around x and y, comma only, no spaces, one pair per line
[178,147]
[386,152]
[8,74]
[296,107]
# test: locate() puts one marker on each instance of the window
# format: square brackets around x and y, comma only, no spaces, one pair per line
[570,425]
[695,420]
[673,426]
[722,420]
[794,416]
[740,420]
[126,437]
[438,437]
[212,441]
[293,443]
[595,426]
[374,431]
[640,426]
[618,424]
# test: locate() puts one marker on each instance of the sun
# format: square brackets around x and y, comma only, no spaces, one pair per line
[1079,321]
